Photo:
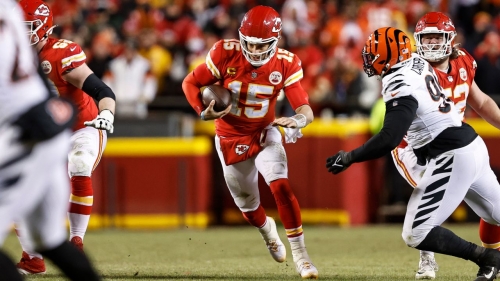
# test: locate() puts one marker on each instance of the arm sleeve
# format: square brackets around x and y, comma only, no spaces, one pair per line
[296,95]
[97,89]
[191,85]
[294,92]
[399,115]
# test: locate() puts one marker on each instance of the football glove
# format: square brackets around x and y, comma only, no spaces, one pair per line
[103,121]
[338,162]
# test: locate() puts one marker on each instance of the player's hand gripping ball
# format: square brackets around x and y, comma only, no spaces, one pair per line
[219,94]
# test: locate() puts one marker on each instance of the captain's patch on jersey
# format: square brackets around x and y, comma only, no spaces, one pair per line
[275,77]
[46,67]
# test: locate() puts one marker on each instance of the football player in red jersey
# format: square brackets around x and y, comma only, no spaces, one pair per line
[455,68]
[64,64]
[247,139]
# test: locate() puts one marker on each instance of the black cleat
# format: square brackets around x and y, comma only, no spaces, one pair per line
[486,273]
[489,264]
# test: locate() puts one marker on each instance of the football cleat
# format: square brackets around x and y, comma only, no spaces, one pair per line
[78,242]
[303,263]
[273,242]
[29,265]
[489,264]
[306,269]
[427,267]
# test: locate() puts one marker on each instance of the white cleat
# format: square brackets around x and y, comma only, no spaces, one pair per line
[273,242]
[427,268]
[306,269]
[303,263]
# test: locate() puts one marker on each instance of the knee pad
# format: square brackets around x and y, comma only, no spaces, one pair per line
[80,163]
[273,165]
[245,201]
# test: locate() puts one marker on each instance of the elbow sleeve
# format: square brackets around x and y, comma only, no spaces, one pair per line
[97,89]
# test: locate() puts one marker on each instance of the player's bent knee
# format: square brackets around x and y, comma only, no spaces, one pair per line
[278,171]
[411,239]
[245,201]
[80,163]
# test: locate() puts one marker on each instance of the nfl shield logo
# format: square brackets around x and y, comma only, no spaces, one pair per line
[254,75]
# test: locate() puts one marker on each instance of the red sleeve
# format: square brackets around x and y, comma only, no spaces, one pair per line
[470,63]
[205,74]
[72,55]
[296,95]
[192,84]
[294,92]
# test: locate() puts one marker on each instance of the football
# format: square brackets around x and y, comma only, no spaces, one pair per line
[221,95]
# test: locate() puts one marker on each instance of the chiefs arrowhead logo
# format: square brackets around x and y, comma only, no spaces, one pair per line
[241,148]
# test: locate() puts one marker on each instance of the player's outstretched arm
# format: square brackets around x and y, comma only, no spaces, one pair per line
[303,117]
[83,78]
[484,105]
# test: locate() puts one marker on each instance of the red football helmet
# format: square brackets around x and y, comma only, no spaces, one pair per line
[435,23]
[38,19]
[260,25]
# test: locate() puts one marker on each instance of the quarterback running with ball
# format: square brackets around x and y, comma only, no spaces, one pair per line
[247,139]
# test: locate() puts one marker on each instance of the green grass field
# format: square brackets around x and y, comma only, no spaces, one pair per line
[238,253]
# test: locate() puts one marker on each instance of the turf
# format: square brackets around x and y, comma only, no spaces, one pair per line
[238,253]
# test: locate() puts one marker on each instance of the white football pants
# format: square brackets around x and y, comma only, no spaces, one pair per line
[450,178]
[34,189]
[242,178]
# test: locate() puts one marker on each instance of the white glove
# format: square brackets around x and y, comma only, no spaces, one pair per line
[292,134]
[103,121]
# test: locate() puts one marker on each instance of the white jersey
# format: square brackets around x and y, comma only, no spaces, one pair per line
[20,85]
[415,77]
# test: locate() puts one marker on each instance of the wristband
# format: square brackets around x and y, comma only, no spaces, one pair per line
[202,115]
[300,119]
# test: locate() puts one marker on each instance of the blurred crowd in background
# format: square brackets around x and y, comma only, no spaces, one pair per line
[144,48]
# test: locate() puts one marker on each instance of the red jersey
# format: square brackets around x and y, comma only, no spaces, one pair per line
[57,57]
[458,80]
[254,90]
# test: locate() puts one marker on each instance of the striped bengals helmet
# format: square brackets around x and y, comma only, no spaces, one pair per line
[384,48]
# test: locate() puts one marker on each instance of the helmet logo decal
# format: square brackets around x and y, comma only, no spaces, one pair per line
[277,25]
[463,74]
[46,67]
[42,10]
[275,77]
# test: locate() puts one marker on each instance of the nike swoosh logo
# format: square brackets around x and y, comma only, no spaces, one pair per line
[488,276]
[336,161]
[394,94]
[72,49]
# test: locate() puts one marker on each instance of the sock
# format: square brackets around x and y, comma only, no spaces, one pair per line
[431,254]
[288,207]
[443,241]
[80,205]
[489,234]
[256,218]
[72,262]
[8,269]
[25,244]
[298,246]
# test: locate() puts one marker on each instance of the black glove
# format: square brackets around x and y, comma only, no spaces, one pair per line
[339,162]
